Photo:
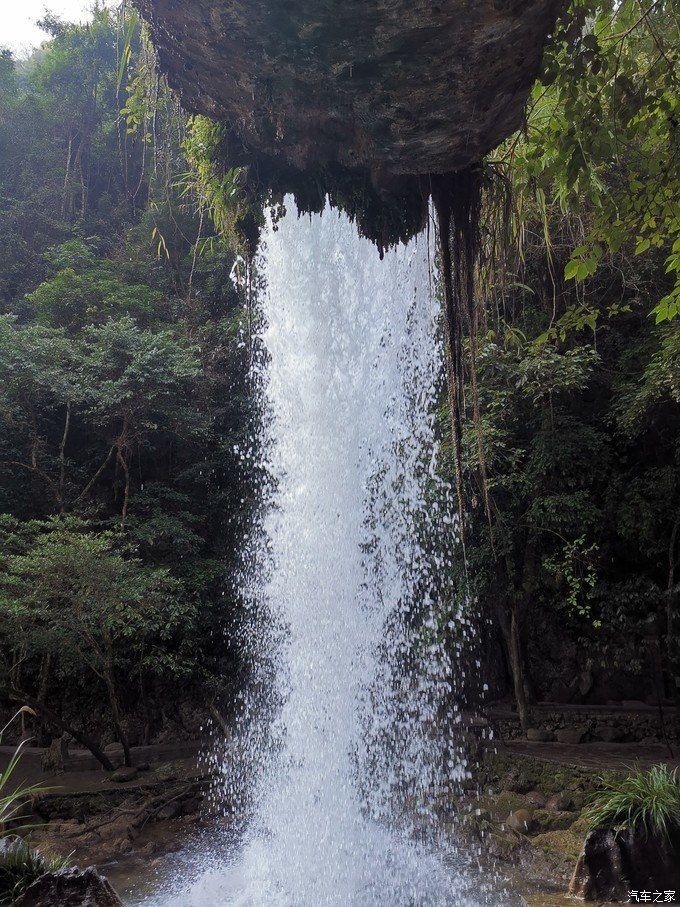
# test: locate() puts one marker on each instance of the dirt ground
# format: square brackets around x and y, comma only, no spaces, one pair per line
[596,756]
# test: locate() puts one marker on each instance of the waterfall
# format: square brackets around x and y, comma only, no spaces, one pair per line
[344,589]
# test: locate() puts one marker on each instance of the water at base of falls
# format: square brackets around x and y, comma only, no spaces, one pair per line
[353,673]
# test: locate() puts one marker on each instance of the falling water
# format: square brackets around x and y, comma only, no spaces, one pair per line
[344,784]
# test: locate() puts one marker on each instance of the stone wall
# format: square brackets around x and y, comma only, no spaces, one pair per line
[604,724]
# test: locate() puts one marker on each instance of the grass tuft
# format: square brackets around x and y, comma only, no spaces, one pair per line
[20,866]
[648,800]
[14,803]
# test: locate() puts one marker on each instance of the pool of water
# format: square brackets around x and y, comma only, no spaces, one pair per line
[138,883]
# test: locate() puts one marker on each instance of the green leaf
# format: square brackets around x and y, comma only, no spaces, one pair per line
[571,269]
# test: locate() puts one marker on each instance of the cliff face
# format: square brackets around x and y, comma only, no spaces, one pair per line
[389,88]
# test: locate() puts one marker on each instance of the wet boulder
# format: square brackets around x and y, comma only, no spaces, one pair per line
[56,755]
[521,821]
[612,864]
[539,735]
[599,871]
[124,774]
[649,860]
[561,802]
[70,888]
[570,735]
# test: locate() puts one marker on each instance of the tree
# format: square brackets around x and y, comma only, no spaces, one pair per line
[579,240]
[602,137]
[123,387]
[83,601]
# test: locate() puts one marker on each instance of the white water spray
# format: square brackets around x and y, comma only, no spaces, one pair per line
[340,809]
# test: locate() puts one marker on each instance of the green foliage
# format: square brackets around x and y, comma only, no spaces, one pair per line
[123,392]
[123,389]
[216,187]
[575,565]
[20,866]
[73,298]
[82,597]
[658,383]
[647,800]
[37,365]
[577,448]
[13,799]
[136,379]
[602,134]
[546,372]
[580,434]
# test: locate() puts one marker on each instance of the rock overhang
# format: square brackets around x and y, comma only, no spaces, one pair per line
[362,99]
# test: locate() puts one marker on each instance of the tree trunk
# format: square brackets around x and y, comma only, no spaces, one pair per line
[43,686]
[145,708]
[672,608]
[62,448]
[122,459]
[516,653]
[115,712]
[66,174]
[97,474]
[53,718]
[452,344]
[219,719]
[508,620]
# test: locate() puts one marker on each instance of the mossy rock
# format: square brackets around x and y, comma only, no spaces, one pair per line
[55,807]
[522,778]
[170,771]
[551,820]
[475,816]
[124,774]
[506,802]
[562,842]
[581,798]
[478,826]
[503,847]
[522,774]
[581,827]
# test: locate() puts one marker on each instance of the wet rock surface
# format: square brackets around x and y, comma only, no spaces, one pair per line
[570,735]
[539,735]
[149,816]
[124,774]
[529,814]
[612,864]
[390,87]
[526,814]
[617,722]
[70,888]
[599,871]
[651,861]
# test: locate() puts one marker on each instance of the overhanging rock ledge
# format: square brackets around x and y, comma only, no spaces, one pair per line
[378,92]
